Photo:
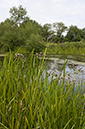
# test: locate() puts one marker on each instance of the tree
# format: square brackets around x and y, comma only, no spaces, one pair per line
[47,31]
[74,34]
[36,26]
[83,33]
[29,28]
[35,42]
[59,28]
[9,36]
[18,15]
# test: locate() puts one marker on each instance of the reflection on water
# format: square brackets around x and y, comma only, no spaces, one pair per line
[52,65]
[73,73]
[71,57]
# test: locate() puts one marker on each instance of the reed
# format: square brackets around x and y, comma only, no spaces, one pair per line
[29,101]
[67,48]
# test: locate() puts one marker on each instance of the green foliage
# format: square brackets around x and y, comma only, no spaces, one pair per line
[59,28]
[27,100]
[67,48]
[83,33]
[74,34]
[47,31]
[18,15]
[35,42]
[10,37]
[16,36]
[22,49]
[27,30]
[18,31]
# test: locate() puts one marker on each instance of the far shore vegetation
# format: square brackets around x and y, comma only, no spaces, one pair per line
[21,33]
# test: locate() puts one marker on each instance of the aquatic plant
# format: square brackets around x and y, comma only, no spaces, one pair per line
[18,54]
[66,48]
[28,101]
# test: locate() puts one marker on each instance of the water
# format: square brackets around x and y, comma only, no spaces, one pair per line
[74,69]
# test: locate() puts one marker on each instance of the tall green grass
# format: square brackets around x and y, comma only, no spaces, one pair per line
[28,101]
[70,48]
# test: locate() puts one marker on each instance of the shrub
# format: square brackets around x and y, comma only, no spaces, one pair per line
[34,42]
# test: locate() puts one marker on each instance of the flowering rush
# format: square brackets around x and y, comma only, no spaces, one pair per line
[18,54]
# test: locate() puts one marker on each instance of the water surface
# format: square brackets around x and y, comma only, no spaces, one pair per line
[74,69]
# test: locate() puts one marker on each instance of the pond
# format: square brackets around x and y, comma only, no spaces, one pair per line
[74,68]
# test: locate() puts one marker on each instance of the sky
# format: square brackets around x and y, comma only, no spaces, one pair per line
[70,12]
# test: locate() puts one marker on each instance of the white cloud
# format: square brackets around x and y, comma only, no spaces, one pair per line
[59,1]
[48,11]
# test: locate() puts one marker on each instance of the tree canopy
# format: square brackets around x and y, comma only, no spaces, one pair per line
[20,30]
[18,15]
[74,34]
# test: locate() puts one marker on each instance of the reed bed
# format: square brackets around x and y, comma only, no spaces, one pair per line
[29,101]
[67,48]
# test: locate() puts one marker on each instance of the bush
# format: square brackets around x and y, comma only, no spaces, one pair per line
[34,42]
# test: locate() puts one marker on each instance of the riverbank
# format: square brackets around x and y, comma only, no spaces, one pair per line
[67,48]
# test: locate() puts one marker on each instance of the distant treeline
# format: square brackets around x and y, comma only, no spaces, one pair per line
[20,30]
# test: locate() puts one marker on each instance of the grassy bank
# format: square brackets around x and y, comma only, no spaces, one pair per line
[66,48]
[28,101]
[69,48]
